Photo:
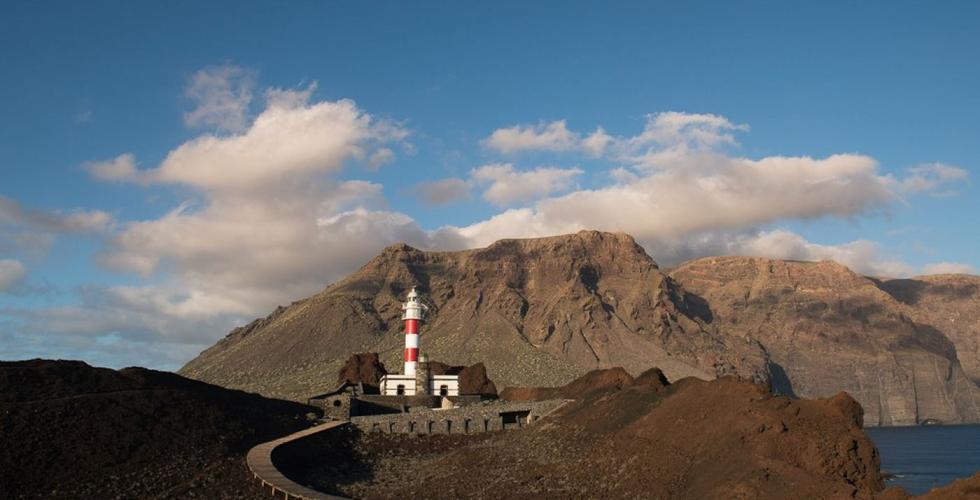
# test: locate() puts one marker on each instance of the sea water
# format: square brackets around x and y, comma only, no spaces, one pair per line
[924,457]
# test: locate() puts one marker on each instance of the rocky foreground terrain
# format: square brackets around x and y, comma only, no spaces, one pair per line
[540,312]
[626,437]
[68,430]
[73,431]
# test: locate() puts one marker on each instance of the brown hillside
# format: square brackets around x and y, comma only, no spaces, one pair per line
[535,312]
[539,312]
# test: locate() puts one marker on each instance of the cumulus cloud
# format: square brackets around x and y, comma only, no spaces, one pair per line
[282,145]
[694,131]
[266,221]
[220,96]
[948,268]
[702,192]
[11,273]
[508,186]
[288,142]
[443,191]
[553,136]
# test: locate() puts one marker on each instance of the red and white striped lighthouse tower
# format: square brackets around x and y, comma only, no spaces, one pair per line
[414,316]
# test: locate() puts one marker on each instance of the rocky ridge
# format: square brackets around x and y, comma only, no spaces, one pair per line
[539,312]
[533,311]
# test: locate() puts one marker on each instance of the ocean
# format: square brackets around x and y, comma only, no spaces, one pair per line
[924,457]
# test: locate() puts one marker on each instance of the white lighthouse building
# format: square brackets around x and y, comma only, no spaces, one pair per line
[416,379]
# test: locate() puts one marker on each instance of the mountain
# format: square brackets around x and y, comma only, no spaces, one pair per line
[535,312]
[539,312]
[828,329]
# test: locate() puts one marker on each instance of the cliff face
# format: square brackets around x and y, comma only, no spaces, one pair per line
[535,312]
[949,303]
[828,329]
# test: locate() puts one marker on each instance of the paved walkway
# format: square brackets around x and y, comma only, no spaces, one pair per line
[259,461]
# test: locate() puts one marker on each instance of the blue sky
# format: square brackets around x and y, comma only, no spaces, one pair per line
[171,169]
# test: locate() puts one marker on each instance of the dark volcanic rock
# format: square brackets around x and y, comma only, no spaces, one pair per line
[637,438]
[592,382]
[69,430]
[364,368]
[966,488]
[473,380]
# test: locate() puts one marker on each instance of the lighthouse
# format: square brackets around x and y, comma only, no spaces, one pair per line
[417,379]
[413,315]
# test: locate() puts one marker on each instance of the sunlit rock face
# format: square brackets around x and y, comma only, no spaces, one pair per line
[829,329]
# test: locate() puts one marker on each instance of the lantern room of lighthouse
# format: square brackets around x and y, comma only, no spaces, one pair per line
[417,379]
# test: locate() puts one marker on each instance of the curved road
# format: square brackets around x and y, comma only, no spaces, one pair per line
[259,461]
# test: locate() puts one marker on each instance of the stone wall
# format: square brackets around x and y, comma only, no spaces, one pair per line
[485,417]
[336,406]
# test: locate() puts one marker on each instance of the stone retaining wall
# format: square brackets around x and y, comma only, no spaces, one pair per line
[485,417]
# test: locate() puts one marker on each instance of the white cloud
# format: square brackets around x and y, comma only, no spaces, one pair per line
[553,136]
[221,96]
[948,268]
[267,223]
[30,233]
[443,191]
[11,273]
[703,192]
[597,142]
[288,142]
[508,185]
[289,98]
[12,214]
[931,176]
[693,130]
[862,256]
[380,158]
[665,135]
[120,168]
